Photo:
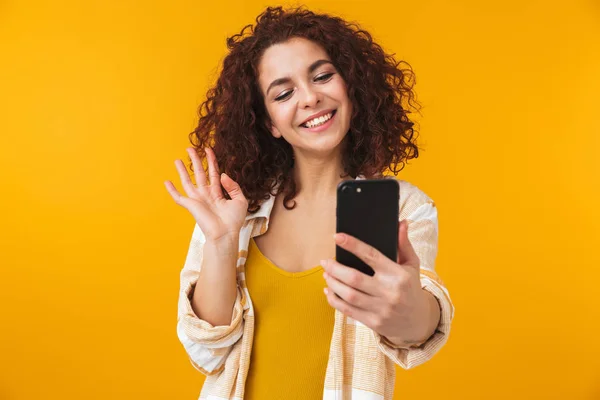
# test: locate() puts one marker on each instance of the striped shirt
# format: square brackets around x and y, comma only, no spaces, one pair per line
[361,363]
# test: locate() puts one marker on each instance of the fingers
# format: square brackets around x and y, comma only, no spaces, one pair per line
[179,199]
[350,277]
[406,251]
[349,294]
[367,253]
[213,172]
[359,314]
[201,182]
[186,181]
[199,173]
[232,187]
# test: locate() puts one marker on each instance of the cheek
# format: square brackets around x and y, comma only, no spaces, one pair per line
[282,114]
[341,95]
[341,88]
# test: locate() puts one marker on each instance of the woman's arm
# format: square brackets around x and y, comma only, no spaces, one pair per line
[210,310]
[422,215]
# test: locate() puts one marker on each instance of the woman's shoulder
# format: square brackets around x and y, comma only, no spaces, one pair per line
[411,195]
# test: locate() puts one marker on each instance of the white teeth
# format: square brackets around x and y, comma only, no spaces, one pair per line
[319,121]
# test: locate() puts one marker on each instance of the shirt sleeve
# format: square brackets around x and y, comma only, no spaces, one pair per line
[206,345]
[423,235]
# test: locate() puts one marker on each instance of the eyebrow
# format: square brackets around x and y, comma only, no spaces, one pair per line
[311,68]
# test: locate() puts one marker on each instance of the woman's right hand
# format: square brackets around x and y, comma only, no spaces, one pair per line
[217,217]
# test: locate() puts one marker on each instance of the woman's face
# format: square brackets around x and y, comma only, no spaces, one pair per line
[298,80]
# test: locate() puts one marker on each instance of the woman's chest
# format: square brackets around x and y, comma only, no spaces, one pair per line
[297,243]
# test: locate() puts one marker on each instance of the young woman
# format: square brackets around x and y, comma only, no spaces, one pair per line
[303,102]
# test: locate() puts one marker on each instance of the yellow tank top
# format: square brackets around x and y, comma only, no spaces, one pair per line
[292,330]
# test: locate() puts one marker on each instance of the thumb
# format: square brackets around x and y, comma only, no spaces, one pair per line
[231,186]
[406,252]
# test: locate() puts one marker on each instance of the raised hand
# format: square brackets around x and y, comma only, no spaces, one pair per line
[216,216]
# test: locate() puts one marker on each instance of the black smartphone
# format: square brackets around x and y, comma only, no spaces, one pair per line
[368,210]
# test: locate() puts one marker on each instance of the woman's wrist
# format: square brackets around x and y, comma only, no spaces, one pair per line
[430,323]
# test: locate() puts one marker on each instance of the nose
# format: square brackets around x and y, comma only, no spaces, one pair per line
[309,98]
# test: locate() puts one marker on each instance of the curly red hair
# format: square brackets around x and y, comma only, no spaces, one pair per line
[235,123]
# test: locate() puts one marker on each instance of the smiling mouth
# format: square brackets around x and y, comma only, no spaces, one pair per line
[332,114]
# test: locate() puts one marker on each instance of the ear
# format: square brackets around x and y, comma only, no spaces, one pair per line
[274,131]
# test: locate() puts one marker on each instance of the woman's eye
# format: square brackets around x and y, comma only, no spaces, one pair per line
[323,77]
[319,78]
[283,96]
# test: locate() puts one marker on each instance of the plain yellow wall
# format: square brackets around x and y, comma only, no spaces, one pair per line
[97,99]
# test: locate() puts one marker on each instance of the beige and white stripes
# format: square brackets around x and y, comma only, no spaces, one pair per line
[361,363]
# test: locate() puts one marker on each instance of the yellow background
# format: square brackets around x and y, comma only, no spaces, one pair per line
[97,99]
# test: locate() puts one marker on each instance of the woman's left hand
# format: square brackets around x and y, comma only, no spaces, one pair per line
[391,302]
